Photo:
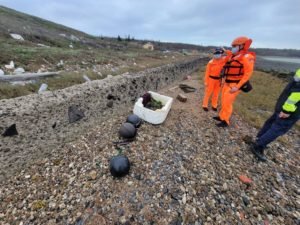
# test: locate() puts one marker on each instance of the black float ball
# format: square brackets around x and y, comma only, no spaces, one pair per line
[127,131]
[119,166]
[134,119]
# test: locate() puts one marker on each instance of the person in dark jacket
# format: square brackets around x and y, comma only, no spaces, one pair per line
[287,113]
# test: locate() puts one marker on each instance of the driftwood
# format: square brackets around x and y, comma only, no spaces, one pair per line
[27,76]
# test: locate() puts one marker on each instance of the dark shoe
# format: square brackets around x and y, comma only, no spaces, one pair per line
[217,118]
[222,124]
[258,152]
[215,109]
[205,109]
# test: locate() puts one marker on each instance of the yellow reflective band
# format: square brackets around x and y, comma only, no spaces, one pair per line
[289,107]
[298,73]
[290,104]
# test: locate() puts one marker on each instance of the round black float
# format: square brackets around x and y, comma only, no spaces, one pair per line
[119,166]
[134,119]
[127,131]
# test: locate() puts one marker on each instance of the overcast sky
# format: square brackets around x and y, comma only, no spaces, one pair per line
[270,23]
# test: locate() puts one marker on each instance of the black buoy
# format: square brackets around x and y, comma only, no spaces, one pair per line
[134,119]
[119,166]
[127,131]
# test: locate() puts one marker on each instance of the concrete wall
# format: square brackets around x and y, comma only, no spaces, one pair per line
[42,120]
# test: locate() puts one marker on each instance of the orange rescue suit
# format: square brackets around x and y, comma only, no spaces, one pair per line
[212,80]
[237,72]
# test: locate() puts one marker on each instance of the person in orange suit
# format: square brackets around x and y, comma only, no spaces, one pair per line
[212,78]
[237,72]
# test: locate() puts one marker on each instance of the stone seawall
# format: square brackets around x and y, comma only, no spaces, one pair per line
[42,120]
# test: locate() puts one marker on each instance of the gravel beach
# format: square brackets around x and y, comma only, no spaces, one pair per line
[184,171]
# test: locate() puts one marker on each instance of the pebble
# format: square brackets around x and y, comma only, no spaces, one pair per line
[52,205]
[184,199]
[122,219]
[93,174]
[246,200]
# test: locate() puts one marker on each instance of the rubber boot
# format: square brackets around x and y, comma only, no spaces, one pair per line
[258,151]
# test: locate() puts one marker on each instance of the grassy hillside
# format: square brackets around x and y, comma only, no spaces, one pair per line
[38,30]
[47,44]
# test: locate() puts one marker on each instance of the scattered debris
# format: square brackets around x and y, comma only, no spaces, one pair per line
[61,63]
[187,88]
[244,179]
[42,88]
[86,78]
[27,76]
[11,65]
[22,83]
[117,143]
[10,131]
[74,38]
[19,70]
[74,114]
[173,88]
[182,98]
[183,161]
[17,37]
[188,77]
[42,45]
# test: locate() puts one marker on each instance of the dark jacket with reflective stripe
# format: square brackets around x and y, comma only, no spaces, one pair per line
[289,89]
